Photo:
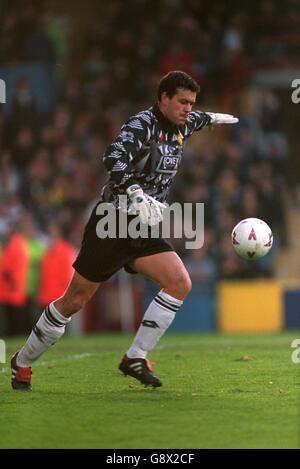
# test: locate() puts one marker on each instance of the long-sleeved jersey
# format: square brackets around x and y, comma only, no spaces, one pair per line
[148,152]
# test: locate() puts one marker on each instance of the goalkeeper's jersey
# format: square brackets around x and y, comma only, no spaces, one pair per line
[148,152]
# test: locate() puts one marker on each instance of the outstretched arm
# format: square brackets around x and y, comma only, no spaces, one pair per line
[218,118]
[197,120]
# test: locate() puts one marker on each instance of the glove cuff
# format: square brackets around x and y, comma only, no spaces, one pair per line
[134,190]
[208,118]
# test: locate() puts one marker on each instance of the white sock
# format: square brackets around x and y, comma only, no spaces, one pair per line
[49,328]
[157,319]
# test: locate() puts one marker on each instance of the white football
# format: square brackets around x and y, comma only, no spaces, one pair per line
[252,238]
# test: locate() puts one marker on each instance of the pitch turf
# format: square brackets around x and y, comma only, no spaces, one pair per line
[219,392]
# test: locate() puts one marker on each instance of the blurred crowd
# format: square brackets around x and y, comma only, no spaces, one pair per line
[51,171]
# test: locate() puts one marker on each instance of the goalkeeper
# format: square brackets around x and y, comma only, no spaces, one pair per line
[141,163]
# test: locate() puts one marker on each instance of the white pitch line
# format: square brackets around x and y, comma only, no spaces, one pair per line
[76,356]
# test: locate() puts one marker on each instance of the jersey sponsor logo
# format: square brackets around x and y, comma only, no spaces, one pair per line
[168,164]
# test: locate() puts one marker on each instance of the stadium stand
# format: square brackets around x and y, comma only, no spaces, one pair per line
[74,77]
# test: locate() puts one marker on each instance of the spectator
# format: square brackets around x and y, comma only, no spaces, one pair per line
[56,267]
[14,264]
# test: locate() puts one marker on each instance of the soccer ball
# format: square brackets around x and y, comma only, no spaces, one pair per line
[252,238]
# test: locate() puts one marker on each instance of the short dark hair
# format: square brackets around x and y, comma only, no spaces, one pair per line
[176,79]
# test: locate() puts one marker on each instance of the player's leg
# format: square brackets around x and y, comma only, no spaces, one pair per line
[50,327]
[168,271]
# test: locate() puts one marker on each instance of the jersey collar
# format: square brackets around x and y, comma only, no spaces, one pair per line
[164,122]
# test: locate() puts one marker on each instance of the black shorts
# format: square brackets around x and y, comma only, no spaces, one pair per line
[99,259]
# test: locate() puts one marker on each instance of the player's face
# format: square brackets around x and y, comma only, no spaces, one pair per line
[177,108]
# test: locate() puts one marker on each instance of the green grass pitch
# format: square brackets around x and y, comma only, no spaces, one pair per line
[219,391]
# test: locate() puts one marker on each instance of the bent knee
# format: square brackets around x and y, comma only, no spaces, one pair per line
[185,284]
[179,285]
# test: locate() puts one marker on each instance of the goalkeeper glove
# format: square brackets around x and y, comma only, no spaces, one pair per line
[150,211]
[218,118]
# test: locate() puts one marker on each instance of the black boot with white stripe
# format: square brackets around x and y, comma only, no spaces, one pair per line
[140,369]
